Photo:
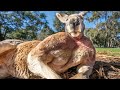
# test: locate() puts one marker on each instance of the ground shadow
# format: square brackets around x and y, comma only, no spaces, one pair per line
[106,70]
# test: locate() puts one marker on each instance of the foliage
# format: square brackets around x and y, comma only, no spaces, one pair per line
[107,28]
[28,25]
[21,24]
[45,32]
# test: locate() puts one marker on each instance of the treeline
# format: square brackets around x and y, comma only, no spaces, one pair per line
[107,28]
[29,25]
[24,25]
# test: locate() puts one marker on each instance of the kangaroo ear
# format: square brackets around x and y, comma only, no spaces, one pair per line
[83,13]
[62,17]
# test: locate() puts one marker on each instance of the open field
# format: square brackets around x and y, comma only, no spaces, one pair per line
[109,51]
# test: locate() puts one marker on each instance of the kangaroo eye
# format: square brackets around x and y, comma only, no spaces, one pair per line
[78,21]
[67,19]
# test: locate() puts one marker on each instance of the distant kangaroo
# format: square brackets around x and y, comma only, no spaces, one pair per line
[52,56]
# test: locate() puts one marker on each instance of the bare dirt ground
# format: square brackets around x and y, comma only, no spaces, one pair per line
[106,67]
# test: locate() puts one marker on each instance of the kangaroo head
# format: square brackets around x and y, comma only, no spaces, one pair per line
[73,23]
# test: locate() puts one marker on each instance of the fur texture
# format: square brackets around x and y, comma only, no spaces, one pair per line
[52,56]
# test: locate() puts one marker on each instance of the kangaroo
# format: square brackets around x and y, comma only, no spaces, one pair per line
[52,56]
[61,51]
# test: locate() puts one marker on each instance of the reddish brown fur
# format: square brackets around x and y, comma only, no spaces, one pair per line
[15,60]
[68,45]
[52,56]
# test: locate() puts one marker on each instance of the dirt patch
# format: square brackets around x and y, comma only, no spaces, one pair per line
[106,67]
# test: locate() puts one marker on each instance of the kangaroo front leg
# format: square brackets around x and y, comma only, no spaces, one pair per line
[84,72]
[38,67]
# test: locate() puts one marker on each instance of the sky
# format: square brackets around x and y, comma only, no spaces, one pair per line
[51,15]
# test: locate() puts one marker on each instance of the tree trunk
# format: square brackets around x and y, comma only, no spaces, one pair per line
[1,37]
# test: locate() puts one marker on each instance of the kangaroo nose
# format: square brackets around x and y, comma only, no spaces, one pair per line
[74,24]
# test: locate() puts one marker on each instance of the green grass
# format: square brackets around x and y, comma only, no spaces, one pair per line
[109,51]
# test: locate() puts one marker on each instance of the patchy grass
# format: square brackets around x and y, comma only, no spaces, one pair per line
[109,51]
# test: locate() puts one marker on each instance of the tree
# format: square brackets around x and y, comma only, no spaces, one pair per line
[45,32]
[107,26]
[21,24]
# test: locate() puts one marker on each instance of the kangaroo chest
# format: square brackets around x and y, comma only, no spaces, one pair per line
[65,59]
[61,57]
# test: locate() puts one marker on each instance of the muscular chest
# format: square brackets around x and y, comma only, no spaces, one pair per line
[65,59]
[61,57]
[82,53]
